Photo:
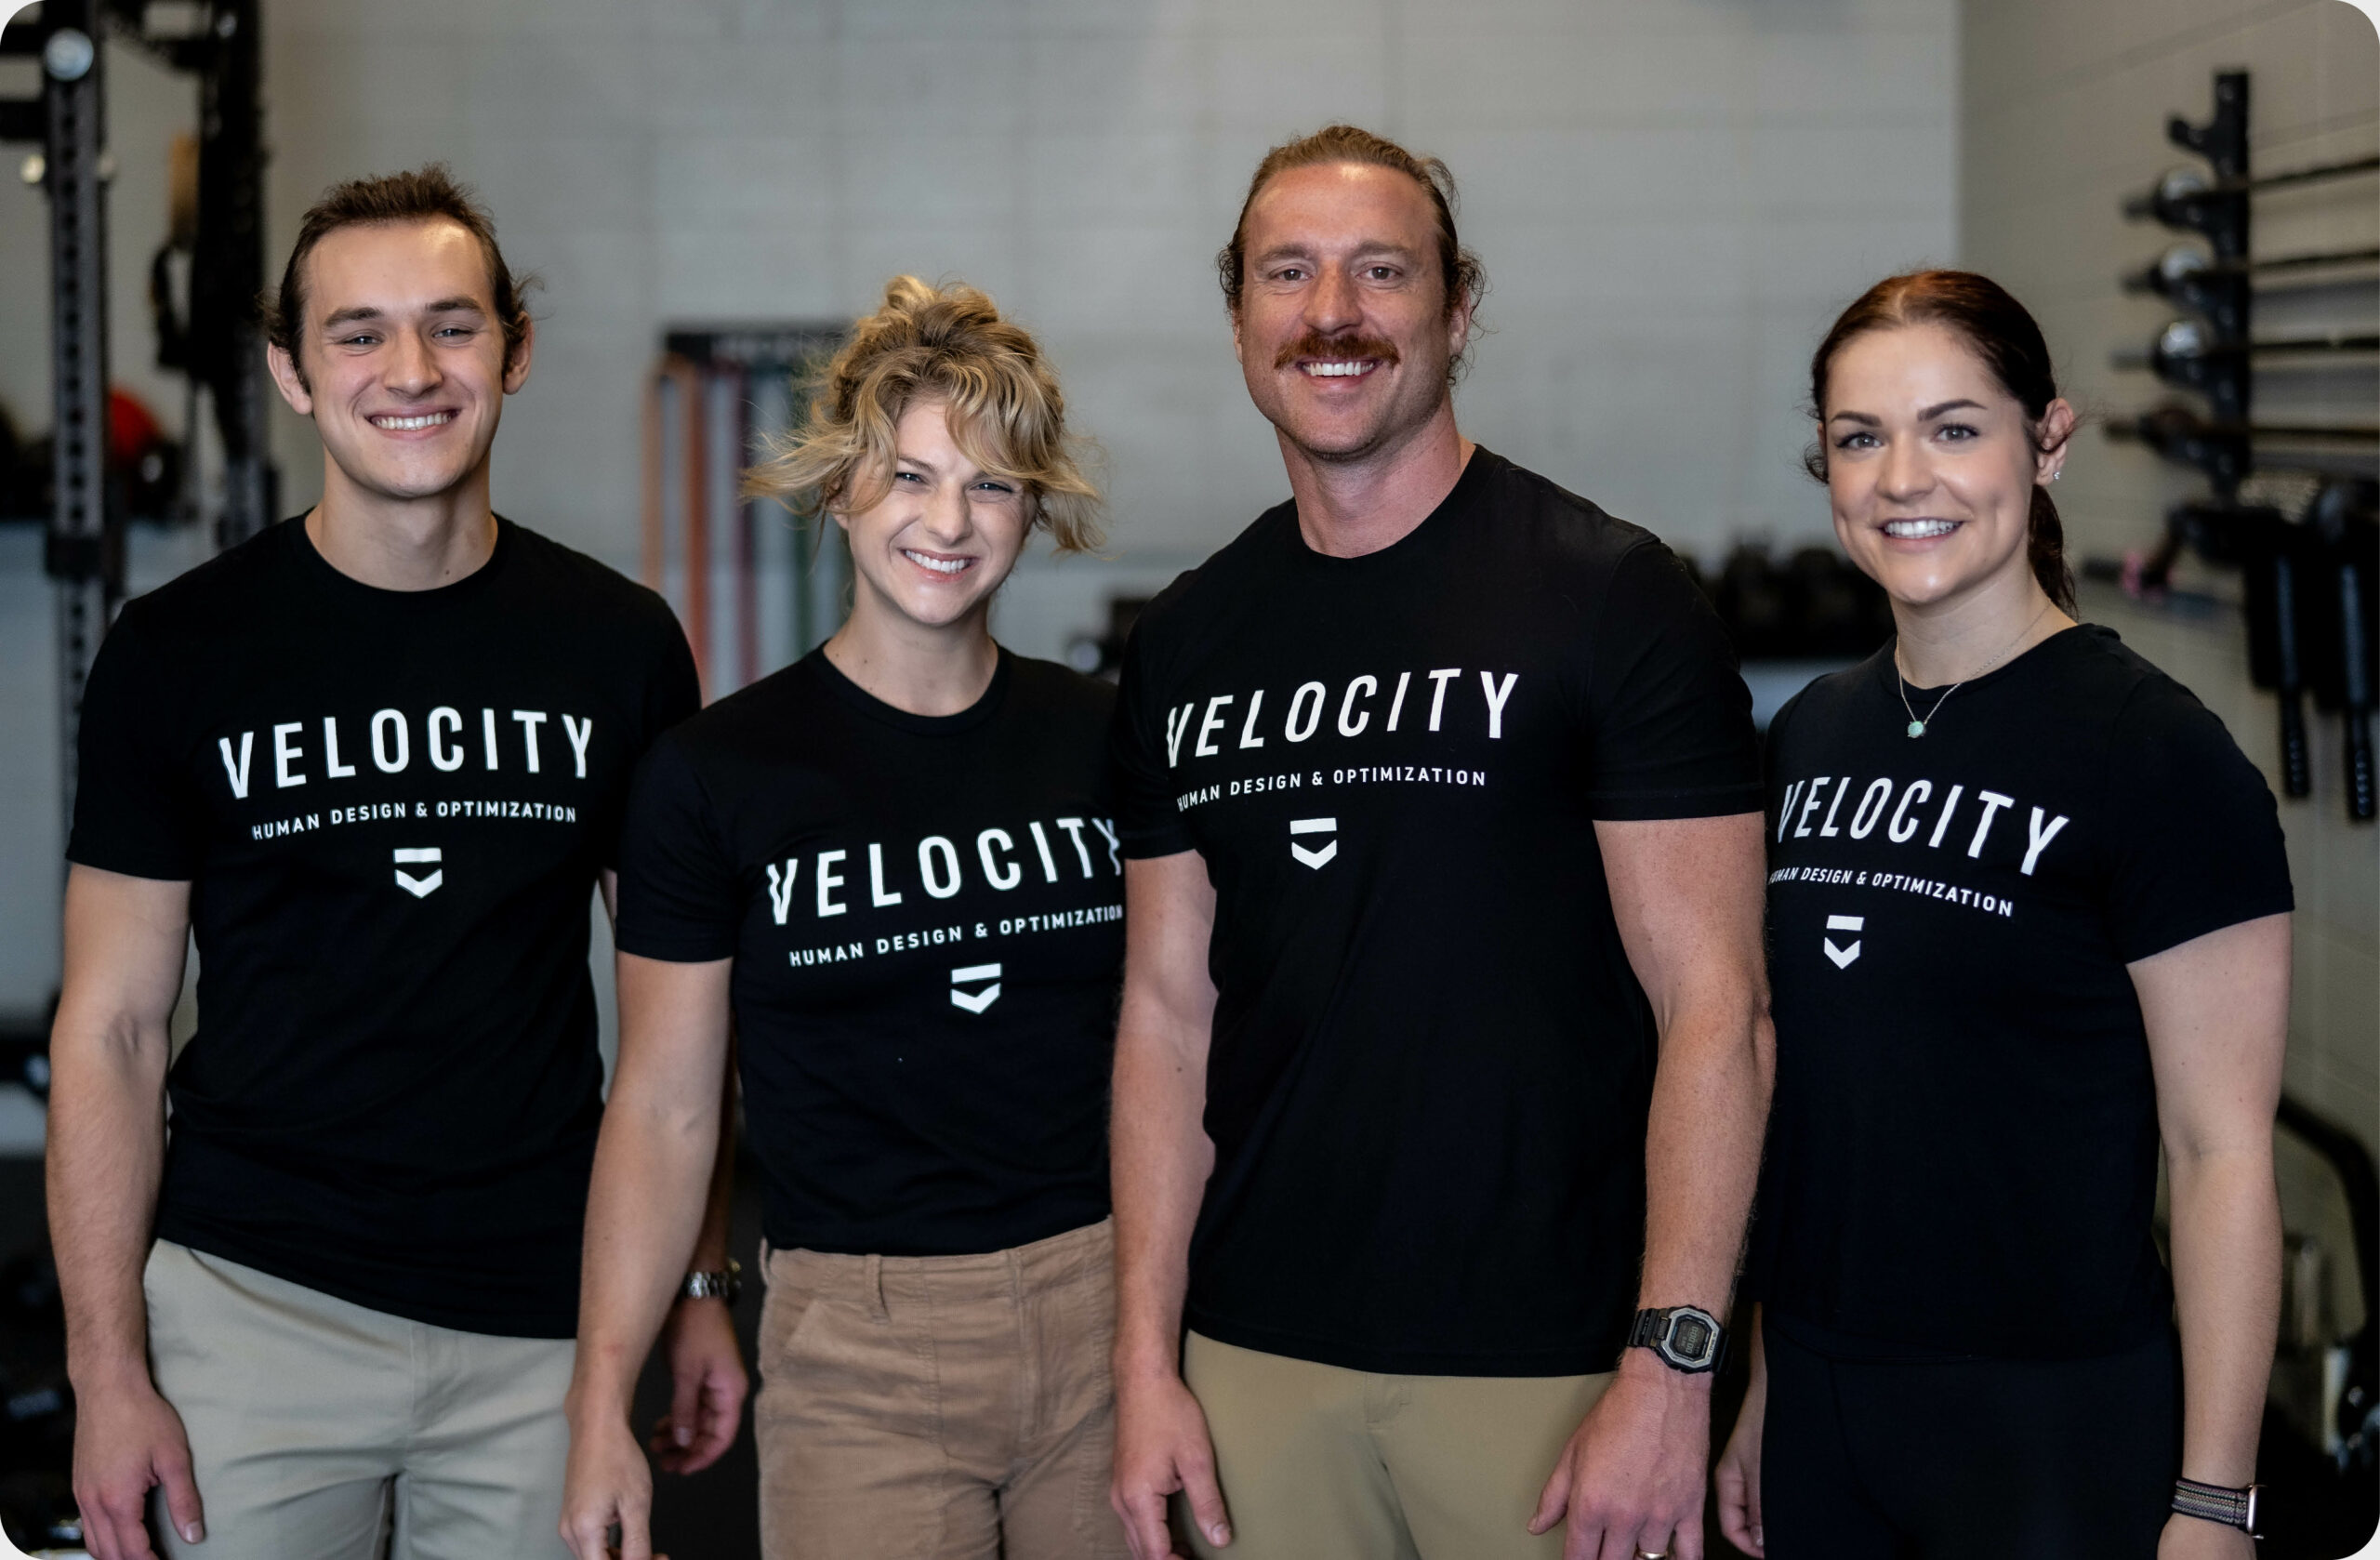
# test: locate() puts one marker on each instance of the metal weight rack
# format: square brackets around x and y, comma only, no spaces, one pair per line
[2293,504]
[221,345]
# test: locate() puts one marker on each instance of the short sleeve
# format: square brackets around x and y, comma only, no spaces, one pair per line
[1670,716]
[672,693]
[2199,845]
[679,899]
[1146,820]
[676,691]
[134,809]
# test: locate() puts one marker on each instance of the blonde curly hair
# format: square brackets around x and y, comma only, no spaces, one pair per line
[944,343]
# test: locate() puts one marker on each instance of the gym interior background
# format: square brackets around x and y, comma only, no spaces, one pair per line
[1673,199]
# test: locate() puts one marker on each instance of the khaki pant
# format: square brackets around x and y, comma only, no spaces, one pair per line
[1317,1462]
[943,1407]
[320,1430]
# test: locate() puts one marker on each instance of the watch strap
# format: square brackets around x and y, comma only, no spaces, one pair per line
[2215,1502]
[716,1284]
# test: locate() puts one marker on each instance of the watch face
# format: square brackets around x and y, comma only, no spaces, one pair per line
[1691,1337]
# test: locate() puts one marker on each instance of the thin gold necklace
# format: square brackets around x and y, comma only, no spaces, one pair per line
[1916,726]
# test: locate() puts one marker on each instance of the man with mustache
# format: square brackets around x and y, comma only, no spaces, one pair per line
[1443,1049]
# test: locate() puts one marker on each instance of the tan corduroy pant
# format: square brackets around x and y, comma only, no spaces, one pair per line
[1319,1462]
[951,1407]
[320,1430]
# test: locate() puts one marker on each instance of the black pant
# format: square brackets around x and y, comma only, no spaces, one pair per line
[1968,1458]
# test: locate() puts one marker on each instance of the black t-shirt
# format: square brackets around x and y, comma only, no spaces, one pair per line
[1431,1060]
[392,807]
[1962,1154]
[925,915]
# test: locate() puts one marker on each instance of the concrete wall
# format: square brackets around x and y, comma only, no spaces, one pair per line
[2064,107]
[1671,197]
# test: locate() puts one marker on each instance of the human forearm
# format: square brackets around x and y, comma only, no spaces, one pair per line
[646,1213]
[711,1242]
[1702,1150]
[106,1153]
[2227,1282]
[1161,1160]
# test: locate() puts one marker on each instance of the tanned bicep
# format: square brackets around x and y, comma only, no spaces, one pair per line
[2217,1011]
[1169,919]
[1686,896]
[125,941]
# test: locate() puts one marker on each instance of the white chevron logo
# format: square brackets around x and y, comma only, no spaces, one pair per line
[420,887]
[975,1002]
[1842,957]
[1315,859]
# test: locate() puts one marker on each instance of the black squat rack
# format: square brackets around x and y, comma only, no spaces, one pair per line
[216,340]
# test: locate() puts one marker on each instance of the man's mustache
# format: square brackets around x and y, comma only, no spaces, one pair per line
[1341,348]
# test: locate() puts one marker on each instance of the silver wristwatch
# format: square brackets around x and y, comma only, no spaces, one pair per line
[723,1285]
[1686,1337]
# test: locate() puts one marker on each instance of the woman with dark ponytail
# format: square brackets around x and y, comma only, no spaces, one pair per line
[2029,918]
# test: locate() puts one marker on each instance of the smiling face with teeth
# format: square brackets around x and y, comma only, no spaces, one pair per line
[404,371]
[929,551]
[1931,466]
[1343,330]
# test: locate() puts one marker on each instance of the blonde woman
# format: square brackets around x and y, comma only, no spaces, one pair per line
[891,865]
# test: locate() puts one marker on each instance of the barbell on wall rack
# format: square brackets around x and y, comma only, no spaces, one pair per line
[2178,191]
[2182,267]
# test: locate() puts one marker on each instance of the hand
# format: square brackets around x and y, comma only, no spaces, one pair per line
[1162,1446]
[707,1375]
[1737,1475]
[606,1484]
[128,1441]
[2194,1537]
[1632,1476]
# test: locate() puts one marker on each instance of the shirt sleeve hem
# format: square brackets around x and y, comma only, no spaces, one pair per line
[1701,801]
[2148,944]
[673,952]
[127,866]
[1151,846]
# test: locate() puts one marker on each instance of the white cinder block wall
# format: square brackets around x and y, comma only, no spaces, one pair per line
[2063,108]
[1670,196]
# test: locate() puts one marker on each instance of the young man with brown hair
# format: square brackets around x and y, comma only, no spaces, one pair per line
[1444,1051]
[375,758]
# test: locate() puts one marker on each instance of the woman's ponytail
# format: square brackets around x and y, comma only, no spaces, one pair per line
[2045,549]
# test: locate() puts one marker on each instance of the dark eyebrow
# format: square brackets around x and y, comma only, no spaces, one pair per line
[1862,418]
[1932,412]
[362,312]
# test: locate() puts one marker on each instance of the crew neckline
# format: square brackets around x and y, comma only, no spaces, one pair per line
[328,576]
[1438,523]
[867,703]
[1888,669]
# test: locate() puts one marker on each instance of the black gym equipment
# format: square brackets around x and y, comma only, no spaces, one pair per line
[2326,1485]
[2307,579]
[219,343]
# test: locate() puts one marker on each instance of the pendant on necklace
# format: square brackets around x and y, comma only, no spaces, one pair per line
[1917,728]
